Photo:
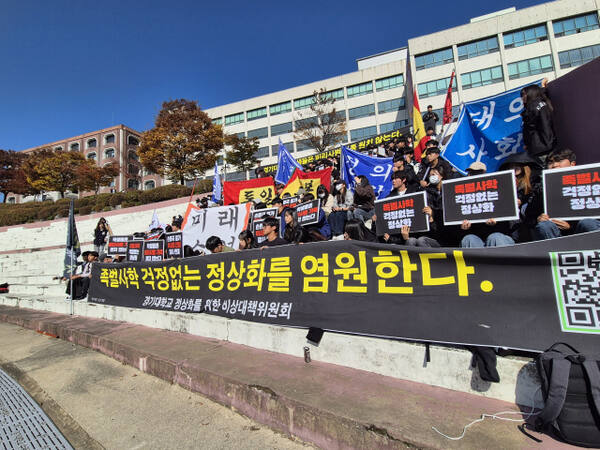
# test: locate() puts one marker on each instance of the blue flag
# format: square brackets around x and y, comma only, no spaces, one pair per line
[73,249]
[377,170]
[286,165]
[217,189]
[488,131]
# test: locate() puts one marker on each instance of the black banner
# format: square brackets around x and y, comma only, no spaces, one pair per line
[572,193]
[117,245]
[174,244]
[526,296]
[480,197]
[259,214]
[395,212]
[153,250]
[134,250]
[258,232]
[308,212]
[290,202]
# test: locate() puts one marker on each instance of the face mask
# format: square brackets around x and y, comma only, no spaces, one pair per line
[321,195]
[339,187]
[434,179]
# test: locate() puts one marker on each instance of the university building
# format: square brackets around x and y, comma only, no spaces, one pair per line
[490,54]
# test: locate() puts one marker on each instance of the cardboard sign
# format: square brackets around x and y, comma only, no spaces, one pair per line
[258,231]
[572,193]
[174,244]
[117,245]
[290,202]
[134,250]
[395,212]
[153,250]
[259,214]
[480,197]
[308,212]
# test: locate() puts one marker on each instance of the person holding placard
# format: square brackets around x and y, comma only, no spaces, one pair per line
[342,201]
[320,231]
[364,200]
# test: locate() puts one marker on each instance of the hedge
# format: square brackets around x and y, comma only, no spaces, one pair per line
[15,214]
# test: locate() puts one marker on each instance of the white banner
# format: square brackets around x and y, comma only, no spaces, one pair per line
[226,222]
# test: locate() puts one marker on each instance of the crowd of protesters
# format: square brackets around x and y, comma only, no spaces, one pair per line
[417,166]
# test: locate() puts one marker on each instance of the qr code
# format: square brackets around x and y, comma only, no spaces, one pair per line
[577,288]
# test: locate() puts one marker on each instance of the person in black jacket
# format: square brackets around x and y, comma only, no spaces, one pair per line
[538,131]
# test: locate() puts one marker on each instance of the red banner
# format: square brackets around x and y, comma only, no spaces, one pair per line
[235,192]
[310,181]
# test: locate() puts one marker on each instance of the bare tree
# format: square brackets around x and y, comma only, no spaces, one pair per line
[321,124]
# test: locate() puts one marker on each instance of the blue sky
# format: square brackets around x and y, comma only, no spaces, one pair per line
[70,67]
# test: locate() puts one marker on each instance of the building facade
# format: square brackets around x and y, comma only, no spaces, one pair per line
[116,144]
[489,55]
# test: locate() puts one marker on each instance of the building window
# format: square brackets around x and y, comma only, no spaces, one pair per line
[360,89]
[92,143]
[109,139]
[147,172]
[91,155]
[528,67]
[281,128]
[433,59]
[234,118]
[150,184]
[133,184]
[361,111]
[280,108]
[304,144]
[435,87]
[363,133]
[575,25]
[236,176]
[289,146]
[525,36]
[338,94]
[131,140]
[395,104]
[455,111]
[262,152]
[58,148]
[133,169]
[217,121]
[304,102]
[578,56]
[340,116]
[309,122]
[74,147]
[389,83]
[12,200]
[482,77]
[387,127]
[259,133]
[256,114]
[109,153]
[133,155]
[478,48]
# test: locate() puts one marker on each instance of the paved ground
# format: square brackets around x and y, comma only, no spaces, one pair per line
[98,402]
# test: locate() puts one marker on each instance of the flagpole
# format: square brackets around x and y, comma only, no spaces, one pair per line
[193,189]
[71,281]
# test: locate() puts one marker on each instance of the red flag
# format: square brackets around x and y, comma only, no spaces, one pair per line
[448,105]
[310,181]
[235,192]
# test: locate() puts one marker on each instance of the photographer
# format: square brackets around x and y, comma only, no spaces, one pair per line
[101,234]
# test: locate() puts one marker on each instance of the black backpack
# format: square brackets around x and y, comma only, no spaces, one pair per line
[571,388]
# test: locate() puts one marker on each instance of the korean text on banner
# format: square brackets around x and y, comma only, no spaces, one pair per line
[235,192]
[309,181]
[572,193]
[488,131]
[404,210]
[377,170]
[226,222]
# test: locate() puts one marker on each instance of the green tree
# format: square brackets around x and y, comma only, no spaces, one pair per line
[321,124]
[184,142]
[242,153]
[54,170]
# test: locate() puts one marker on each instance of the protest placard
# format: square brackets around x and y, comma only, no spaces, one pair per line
[290,202]
[134,250]
[308,212]
[395,212]
[258,231]
[117,245]
[480,197]
[259,214]
[153,250]
[572,193]
[174,244]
